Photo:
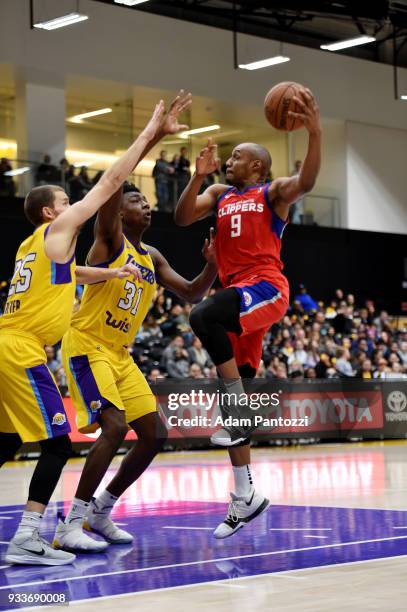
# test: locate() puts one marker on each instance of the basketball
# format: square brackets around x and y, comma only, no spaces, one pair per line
[278,102]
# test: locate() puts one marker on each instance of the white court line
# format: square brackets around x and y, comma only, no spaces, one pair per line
[6,518]
[200,562]
[212,582]
[399,526]
[300,529]
[315,536]
[176,527]
[225,584]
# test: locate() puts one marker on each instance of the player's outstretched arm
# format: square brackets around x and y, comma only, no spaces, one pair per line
[60,240]
[192,207]
[194,290]
[88,275]
[286,191]
[108,226]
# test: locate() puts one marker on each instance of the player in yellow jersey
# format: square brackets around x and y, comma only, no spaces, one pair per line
[106,386]
[38,312]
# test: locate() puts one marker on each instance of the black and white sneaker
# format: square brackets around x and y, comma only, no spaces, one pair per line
[241,511]
[32,549]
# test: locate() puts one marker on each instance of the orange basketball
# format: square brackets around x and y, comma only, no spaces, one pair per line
[278,102]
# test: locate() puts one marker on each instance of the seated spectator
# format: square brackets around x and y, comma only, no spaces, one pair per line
[154,374]
[149,329]
[298,354]
[307,302]
[366,371]
[178,364]
[80,185]
[402,353]
[198,354]
[195,371]
[342,364]
[310,373]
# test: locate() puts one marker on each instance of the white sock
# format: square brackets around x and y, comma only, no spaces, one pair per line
[243,480]
[30,521]
[105,502]
[77,511]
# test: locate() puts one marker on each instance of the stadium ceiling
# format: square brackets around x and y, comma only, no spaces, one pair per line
[309,24]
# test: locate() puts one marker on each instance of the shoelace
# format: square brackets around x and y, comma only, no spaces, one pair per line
[232,511]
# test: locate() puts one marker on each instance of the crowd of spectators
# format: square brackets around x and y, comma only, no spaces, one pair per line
[338,339]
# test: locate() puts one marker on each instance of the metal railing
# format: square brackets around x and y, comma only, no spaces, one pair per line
[315,209]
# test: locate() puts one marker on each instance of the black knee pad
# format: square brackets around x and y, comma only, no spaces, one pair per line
[197,318]
[60,447]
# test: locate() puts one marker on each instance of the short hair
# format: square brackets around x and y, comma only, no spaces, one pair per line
[259,152]
[37,199]
[130,188]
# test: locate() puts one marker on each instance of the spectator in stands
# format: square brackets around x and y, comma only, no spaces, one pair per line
[154,375]
[47,173]
[161,174]
[174,321]
[195,371]
[310,373]
[298,355]
[7,185]
[183,171]
[52,363]
[366,371]
[343,365]
[308,304]
[149,329]
[198,354]
[79,185]
[178,364]
[402,352]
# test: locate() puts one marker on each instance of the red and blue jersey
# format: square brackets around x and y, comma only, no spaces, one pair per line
[248,237]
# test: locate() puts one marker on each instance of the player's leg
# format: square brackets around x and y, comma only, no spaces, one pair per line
[216,321]
[31,410]
[92,383]
[246,503]
[142,416]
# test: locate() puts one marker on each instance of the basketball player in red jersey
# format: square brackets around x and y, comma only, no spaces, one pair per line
[251,217]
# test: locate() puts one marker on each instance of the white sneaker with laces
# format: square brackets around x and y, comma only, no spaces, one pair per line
[241,511]
[31,549]
[98,521]
[72,538]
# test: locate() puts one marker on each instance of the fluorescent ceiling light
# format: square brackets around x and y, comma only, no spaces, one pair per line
[271,61]
[351,42]
[61,22]
[208,128]
[403,97]
[130,2]
[78,118]
[17,171]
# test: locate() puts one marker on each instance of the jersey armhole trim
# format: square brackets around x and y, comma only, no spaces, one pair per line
[106,264]
[220,198]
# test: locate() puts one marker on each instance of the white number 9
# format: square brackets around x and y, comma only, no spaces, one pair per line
[236,225]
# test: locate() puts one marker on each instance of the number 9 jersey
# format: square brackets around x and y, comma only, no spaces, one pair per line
[113,311]
[248,236]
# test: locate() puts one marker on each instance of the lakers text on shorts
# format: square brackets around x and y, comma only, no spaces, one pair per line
[30,402]
[99,376]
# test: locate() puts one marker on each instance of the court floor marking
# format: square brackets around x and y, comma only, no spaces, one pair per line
[301,528]
[208,583]
[182,527]
[199,562]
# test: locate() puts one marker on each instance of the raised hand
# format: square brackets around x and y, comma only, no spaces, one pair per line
[207,161]
[208,250]
[170,123]
[309,112]
[153,126]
